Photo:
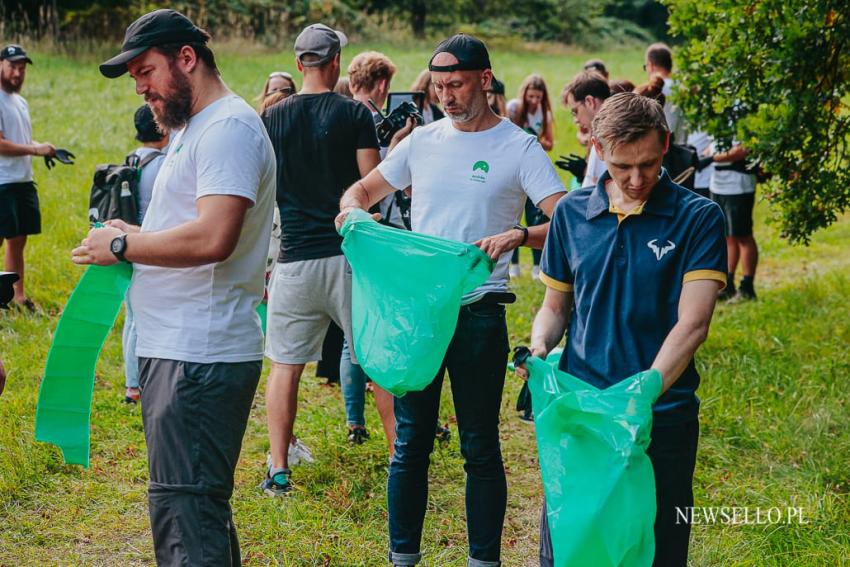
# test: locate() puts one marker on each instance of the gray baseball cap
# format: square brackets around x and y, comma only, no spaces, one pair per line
[319,40]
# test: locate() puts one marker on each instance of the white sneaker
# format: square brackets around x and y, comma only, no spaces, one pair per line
[298,452]
[514,271]
[535,273]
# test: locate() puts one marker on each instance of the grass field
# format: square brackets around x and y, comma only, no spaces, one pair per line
[775,424]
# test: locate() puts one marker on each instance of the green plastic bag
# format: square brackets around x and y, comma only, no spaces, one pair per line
[405,299]
[64,398]
[597,478]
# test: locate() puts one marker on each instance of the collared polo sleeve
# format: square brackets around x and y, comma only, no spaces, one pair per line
[707,255]
[555,269]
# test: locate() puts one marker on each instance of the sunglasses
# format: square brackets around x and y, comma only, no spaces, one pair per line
[284,90]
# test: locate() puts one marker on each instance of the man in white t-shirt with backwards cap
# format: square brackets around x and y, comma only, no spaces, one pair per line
[470,176]
[198,277]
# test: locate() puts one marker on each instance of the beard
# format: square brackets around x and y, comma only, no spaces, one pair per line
[473,111]
[9,86]
[176,104]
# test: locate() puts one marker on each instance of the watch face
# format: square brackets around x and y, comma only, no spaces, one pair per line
[117,245]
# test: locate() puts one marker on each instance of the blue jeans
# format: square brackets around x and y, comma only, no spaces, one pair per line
[353,382]
[476,361]
[128,341]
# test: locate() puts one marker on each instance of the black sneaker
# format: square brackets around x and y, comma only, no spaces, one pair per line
[744,294]
[728,293]
[357,435]
[526,416]
[277,484]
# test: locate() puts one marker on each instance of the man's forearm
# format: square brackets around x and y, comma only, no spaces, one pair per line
[548,328]
[537,236]
[11,149]
[678,349]
[189,244]
[356,197]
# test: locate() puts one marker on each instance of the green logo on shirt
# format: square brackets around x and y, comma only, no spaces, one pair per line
[480,171]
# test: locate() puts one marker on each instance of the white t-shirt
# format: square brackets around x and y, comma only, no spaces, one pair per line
[16,127]
[732,182]
[728,182]
[533,120]
[149,173]
[208,313]
[674,115]
[595,168]
[703,144]
[470,185]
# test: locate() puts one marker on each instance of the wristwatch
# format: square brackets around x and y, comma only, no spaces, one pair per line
[118,246]
[524,233]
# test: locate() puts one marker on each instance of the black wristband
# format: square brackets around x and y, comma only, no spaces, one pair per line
[524,233]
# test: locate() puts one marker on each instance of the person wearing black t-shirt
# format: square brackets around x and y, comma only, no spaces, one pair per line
[323,143]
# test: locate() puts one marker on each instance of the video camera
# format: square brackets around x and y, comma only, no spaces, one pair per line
[396,120]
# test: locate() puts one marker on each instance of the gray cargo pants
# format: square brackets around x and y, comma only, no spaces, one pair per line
[194,417]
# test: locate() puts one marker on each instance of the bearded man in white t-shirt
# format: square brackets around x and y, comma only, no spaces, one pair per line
[199,261]
[470,176]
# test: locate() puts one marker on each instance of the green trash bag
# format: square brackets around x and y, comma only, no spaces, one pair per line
[64,398]
[405,299]
[597,478]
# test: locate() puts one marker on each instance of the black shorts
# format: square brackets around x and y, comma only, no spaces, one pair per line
[19,212]
[738,210]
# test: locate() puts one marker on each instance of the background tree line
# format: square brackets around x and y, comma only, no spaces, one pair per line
[566,21]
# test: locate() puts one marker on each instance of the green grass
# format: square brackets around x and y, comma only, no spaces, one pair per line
[775,428]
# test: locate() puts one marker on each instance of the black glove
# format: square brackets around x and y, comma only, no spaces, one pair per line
[64,156]
[704,162]
[576,165]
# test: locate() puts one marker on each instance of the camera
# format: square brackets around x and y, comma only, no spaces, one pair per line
[396,120]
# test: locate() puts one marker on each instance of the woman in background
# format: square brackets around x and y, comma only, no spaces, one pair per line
[430,110]
[278,86]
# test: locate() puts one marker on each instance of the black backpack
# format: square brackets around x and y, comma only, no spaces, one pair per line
[681,162]
[115,190]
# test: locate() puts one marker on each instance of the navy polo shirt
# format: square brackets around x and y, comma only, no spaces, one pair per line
[626,273]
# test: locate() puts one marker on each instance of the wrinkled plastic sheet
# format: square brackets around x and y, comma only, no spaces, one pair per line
[598,480]
[406,295]
[64,399]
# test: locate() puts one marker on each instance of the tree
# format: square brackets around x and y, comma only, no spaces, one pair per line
[775,76]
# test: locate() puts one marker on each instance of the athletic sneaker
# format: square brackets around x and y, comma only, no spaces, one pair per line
[277,484]
[298,452]
[132,396]
[357,435]
[514,271]
[743,294]
[526,416]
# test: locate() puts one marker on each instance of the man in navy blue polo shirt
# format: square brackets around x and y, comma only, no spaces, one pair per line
[642,259]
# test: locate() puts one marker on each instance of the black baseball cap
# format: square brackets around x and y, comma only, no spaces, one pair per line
[159,27]
[470,52]
[14,52]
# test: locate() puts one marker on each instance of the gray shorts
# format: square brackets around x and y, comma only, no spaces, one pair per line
[304,297]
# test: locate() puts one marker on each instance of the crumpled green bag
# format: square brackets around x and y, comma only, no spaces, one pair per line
[64,398]
[597,478]
[405,299]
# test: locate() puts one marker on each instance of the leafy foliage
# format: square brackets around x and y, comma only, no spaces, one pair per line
[566,21]
[774,75]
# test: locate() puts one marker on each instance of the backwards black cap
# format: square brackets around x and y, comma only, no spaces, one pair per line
[159,27]
[470,52]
